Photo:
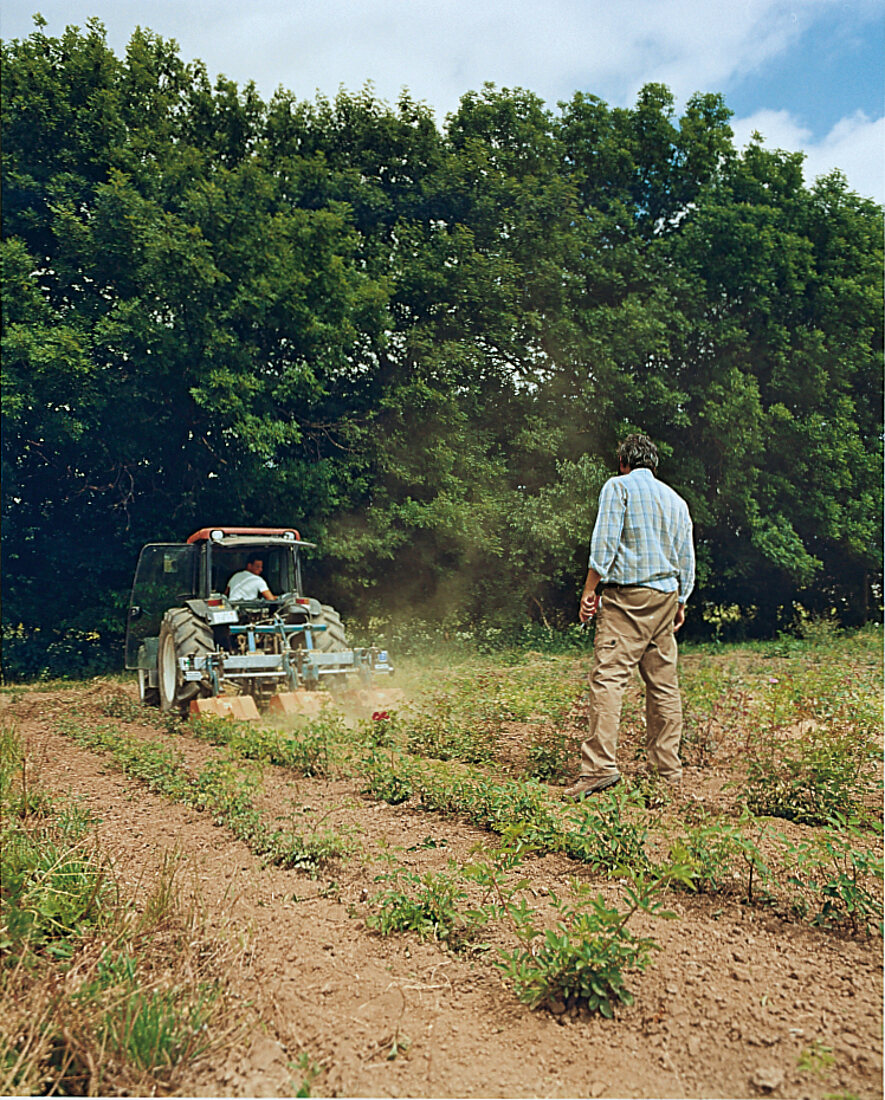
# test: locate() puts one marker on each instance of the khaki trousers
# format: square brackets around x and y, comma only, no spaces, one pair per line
[634,627]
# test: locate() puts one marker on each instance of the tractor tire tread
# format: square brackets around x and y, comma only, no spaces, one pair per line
[333,639]
[191,637]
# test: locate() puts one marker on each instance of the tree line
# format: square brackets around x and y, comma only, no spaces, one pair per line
[419,343]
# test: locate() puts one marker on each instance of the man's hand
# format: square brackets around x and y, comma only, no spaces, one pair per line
[680,617]
[589,599]
[589,604]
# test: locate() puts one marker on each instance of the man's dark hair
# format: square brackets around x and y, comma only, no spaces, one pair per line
[254,557]
[638,451]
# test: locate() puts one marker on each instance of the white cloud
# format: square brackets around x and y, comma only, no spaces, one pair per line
[855,145]
[440,49]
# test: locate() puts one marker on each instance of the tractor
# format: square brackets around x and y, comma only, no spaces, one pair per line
[197,650]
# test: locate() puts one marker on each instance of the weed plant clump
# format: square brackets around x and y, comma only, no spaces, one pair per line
[387,776]
[96,997]
[55,885]
[720,857]
[551,757]
[533,688]
[490,804]
[117,704]
[429,905]
[441,738]
[601,833]
[812,773]
[583,959]
[715,702]
[813,743]
[838,877]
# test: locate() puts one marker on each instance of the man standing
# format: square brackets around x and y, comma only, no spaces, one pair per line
[642,557]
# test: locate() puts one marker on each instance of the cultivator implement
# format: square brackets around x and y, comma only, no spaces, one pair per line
[288,682]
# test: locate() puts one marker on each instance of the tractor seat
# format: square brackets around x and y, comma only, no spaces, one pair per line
[256,605]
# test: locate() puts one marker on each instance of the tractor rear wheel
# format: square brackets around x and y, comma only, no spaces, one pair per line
[332,639]
[182,634]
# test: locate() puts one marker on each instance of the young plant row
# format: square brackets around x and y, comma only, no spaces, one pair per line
[577,962]
[581,961]
[226,787]
[582,958]
[833,877]
[95,997]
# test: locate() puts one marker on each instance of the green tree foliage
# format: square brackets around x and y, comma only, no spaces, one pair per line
[417,343]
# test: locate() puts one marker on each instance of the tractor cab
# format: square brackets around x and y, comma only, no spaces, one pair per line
[171,574]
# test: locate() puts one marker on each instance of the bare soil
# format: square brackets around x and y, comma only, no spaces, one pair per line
[733,1001]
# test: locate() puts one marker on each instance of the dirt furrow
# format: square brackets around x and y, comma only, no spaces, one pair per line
[735,998]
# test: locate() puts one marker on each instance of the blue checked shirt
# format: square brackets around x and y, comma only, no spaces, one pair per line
[643,535]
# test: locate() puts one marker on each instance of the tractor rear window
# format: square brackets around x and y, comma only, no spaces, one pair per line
[276,567]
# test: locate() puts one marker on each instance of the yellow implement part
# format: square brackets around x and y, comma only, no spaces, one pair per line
[289,703]
[241,707]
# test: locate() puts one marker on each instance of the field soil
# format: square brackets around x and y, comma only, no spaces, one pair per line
[738,1001]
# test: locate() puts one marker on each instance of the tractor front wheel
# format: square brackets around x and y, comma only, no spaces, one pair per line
[182,634]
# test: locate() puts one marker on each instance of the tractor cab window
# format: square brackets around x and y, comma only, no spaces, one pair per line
[166,576]
[278,572]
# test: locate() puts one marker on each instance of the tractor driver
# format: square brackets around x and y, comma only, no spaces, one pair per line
[248,584]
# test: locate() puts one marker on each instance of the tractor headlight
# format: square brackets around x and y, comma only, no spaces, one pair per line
[290,535]
[216,536]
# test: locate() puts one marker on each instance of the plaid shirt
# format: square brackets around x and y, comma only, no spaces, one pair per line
[643,535]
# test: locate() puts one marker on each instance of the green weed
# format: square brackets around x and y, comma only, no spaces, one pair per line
[430,905]
[601,833]
[148,1027]
[720,857]
[817,1058]
[583,959]
[306,752]
[442,739]
[20,796]
[820,772]
[225,787]
[838,878]
[550,758]
[55,885]
[54,888]
[387,777]
[95,997]
[715,703]
[309,1071]
[117,704]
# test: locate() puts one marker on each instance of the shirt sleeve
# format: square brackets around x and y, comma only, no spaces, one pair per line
[686,562]
[608,527]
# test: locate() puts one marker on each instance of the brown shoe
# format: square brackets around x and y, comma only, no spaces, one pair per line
[588,785]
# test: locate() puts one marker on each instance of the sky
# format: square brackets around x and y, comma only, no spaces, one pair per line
[809,75]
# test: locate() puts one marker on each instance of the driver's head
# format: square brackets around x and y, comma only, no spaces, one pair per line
[255,564]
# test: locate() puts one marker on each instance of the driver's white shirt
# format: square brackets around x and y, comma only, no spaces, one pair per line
[246,586]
